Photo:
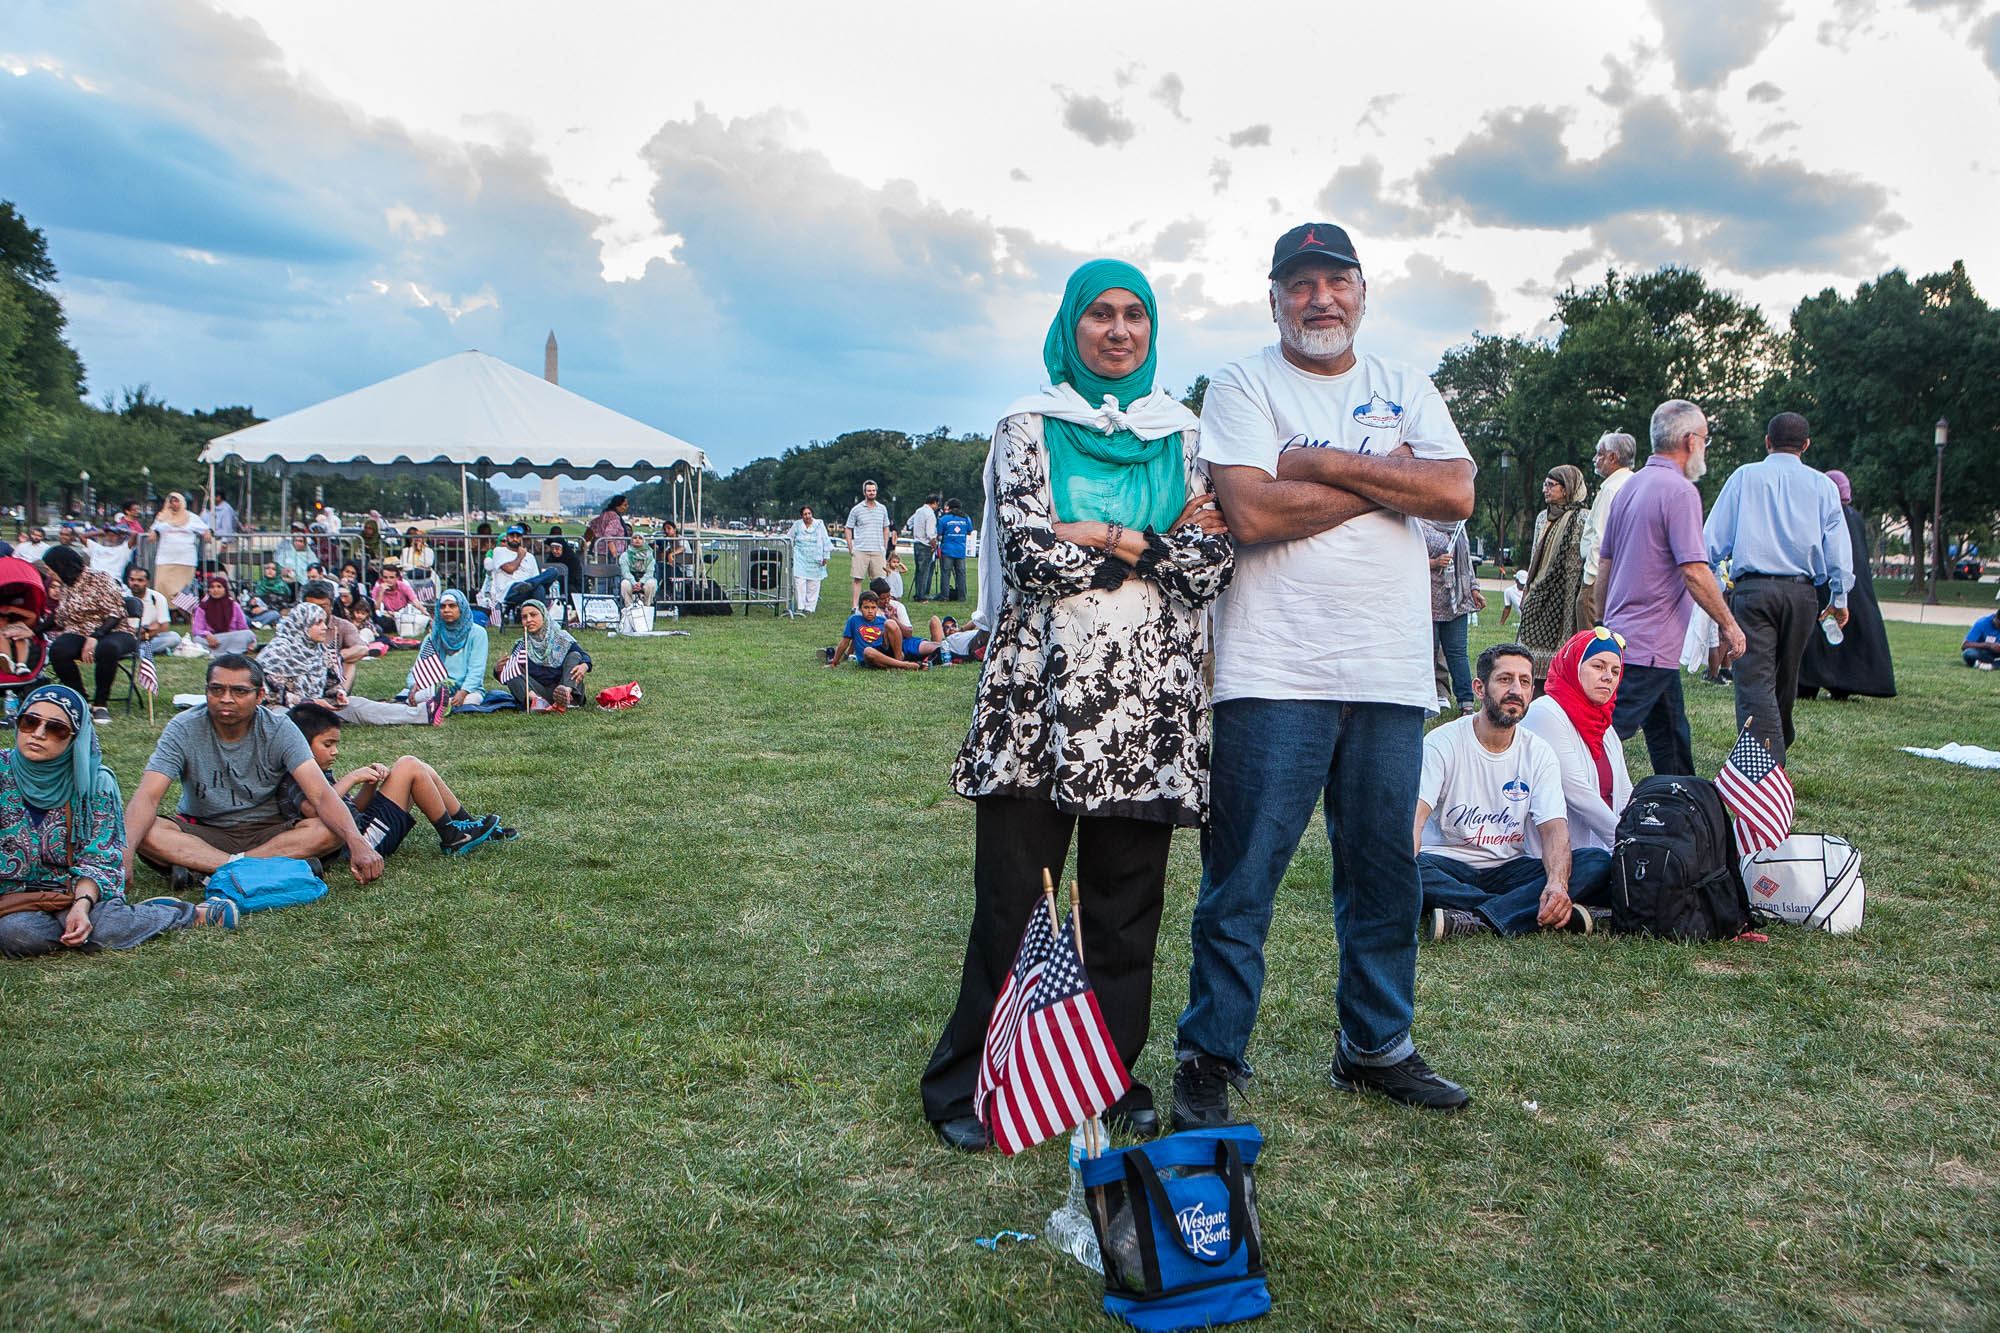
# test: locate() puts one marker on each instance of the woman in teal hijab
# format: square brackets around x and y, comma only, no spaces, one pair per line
[62,841]
[461,642]
[1100,554]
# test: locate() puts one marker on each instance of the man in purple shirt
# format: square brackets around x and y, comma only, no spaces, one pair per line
[1653,566]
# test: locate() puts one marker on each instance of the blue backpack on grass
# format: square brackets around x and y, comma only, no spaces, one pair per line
[261,883]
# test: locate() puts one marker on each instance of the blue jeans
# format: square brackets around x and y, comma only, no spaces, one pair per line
[1272,760]
[1975,655]
[547,584]
[1508,896]
[1451,640]
[951,578]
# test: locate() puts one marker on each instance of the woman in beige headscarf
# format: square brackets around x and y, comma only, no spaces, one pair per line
[1551,612]
[177,534]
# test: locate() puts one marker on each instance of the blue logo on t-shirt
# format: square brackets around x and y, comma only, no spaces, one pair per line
[1379,411]
[1516,790]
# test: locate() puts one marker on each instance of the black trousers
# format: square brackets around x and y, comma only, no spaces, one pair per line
[1650,697]
[1121,878]
[66,651]
[1776,616]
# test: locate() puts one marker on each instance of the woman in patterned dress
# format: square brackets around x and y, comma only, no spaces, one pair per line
[1101,554]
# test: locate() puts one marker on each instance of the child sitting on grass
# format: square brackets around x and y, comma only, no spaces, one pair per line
[872,639]
[381,795]
[946,644]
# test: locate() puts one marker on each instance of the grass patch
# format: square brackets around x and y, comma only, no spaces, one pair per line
[656,1063]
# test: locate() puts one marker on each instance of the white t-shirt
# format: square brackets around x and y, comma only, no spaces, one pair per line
[109,560]
[900,614]
[32,551]
[1484,806]
[959,642]
[1593,821]
[178,545]
[153,608]
[500,579]
[1344,614]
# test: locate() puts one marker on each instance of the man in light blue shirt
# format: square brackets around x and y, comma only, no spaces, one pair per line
[1779,525]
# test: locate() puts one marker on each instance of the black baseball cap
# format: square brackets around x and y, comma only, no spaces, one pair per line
[1313,238]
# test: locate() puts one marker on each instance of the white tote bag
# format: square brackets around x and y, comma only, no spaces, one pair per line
[1809,879]
[636,619]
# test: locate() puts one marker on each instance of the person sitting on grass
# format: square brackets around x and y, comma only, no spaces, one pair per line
[297,663]
[557,664]
[90,618]
[892,607]
[219,623]
[62,834]
[154,622]
[1574,717]
[461,642]
[946,637]
[380,796]
[270,597]
[1981,648]
[342,633]
[1492,829]
[24,601]
[872,638]
[231,756]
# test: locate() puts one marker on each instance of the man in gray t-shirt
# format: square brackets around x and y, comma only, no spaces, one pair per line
[231,756]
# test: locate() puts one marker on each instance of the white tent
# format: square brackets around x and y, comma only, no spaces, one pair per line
[467,412]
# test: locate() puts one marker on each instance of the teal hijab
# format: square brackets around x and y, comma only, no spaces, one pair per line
[453,638]
[1117,478]
[72,777]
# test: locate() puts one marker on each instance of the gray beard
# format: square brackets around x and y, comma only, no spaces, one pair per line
[1696,468]
[1320,345]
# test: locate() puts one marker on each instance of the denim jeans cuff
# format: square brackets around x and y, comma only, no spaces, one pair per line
[1398,1051]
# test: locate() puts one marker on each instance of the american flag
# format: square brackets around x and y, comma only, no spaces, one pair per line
[1049,1063]
[516,663]
[1754,787]
[146,677]
[185,601]
[429,674]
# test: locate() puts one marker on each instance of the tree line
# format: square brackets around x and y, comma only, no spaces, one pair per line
[1872,370]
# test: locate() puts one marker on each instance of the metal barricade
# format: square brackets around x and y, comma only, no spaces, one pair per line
[705,574]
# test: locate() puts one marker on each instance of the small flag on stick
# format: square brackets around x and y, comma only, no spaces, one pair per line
[185,601]
[1049,1063]
[516,663]
[429,674]
[1759,795]
[146,677]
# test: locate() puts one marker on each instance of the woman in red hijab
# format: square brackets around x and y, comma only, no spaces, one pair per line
[1574,717]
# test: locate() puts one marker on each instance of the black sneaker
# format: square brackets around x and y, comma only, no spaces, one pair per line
[1447,923]
[462,835]
[186,883]
[1412,1082]
[1133,1121]
[1201,1093]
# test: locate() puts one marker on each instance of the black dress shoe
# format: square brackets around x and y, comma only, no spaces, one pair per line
[1412,1082]
[1141,1122]
[962,1134]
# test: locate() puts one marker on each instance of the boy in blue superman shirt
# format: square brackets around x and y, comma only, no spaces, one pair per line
[874,640]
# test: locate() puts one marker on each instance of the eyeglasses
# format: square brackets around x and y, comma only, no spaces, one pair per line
[233,691]
[37,724]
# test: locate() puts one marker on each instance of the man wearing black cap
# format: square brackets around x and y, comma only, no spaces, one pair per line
[1323,461]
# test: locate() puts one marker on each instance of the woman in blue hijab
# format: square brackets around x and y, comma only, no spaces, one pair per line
[461,642]
[62,842]
[1100,554]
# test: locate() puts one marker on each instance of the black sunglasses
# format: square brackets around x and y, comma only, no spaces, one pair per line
[34,724]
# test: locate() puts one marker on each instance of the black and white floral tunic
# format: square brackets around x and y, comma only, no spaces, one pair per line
[1094,694]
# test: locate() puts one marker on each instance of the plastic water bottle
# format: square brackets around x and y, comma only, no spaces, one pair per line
[13,706]
[944,657]
[1831,628]
[1070,1229]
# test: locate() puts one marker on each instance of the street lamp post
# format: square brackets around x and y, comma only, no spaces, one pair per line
[1506,506]
[1942,434]
[84,477]
[146,475]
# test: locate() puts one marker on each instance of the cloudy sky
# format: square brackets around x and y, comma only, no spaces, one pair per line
[755,225]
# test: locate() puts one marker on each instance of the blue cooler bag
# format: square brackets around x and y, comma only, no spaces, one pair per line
[260,883]
[1177,1229]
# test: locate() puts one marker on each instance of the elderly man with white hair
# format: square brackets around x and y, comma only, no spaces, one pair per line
[1616,452]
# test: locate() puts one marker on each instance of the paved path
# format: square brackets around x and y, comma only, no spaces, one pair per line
[1915,613]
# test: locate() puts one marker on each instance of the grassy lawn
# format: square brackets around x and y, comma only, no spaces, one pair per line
[1952,592]
[655,1064]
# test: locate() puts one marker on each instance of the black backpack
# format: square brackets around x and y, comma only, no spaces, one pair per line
[1674,871]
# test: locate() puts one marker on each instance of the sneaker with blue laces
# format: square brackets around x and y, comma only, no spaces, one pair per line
[465,834]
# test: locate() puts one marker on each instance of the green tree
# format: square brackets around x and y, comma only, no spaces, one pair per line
[1873,373]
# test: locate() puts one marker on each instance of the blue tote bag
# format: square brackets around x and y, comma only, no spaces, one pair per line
[1177,1229]
[261,883]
